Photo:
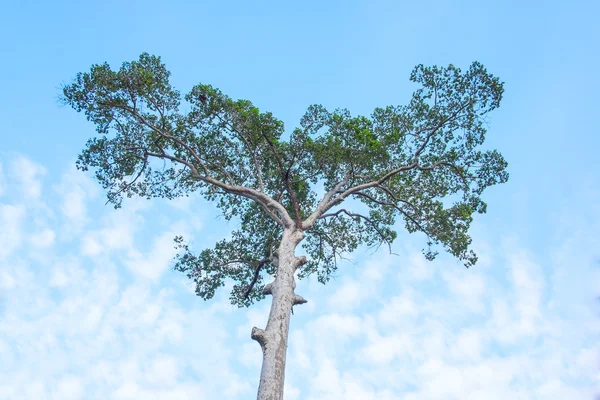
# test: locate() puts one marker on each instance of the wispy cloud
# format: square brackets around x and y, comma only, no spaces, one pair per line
[27,174]
[99,314]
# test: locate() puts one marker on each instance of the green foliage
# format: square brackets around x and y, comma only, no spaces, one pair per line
[241,258]
[402,161]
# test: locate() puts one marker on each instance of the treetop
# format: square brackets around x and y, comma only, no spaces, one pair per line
[422,162]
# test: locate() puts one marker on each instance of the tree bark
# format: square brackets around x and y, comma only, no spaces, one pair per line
[273,339]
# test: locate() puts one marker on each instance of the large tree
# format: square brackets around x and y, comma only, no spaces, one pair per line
[421,162]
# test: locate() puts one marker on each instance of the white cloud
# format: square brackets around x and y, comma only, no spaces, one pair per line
[43,239]
[157,261]
[528,283]
[338,326]
[352,292]
[348,296]
[384,349]
[327,380]
[90,245]
[79,327]
[69,388]
[183,203]
[28,174]
[428,342]
[468,345]
[398,310]
[251,355]
[291,392]
[416,268]
[75,189]
[2,181]
[468,284]
[132,391]
[117,232]
[11,233]
[164,371]
[299,354]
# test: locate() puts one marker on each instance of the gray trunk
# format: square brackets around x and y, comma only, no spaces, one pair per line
[273,339]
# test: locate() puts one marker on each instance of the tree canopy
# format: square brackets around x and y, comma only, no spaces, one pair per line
[422,163]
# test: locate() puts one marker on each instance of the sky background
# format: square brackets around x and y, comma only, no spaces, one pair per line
[90,307]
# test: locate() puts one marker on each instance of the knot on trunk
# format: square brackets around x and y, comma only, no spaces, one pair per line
[259,335]
[300,261]
[268,289]
[299,300]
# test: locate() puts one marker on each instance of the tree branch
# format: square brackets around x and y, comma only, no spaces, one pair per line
[367,185]
[158,131]
[285,178]
[248,147]
[403,212]
[257,269]
[434,131]
[267,202]
[308,223]
[127,185]
[370,221]
[329,201]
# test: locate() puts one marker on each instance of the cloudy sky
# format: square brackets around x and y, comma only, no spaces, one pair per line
[90,307]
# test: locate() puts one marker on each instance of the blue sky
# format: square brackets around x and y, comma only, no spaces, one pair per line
[89,305]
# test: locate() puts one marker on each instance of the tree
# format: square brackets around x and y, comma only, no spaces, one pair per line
[422,162]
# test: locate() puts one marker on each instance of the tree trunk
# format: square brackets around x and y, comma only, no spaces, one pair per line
[273,339]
